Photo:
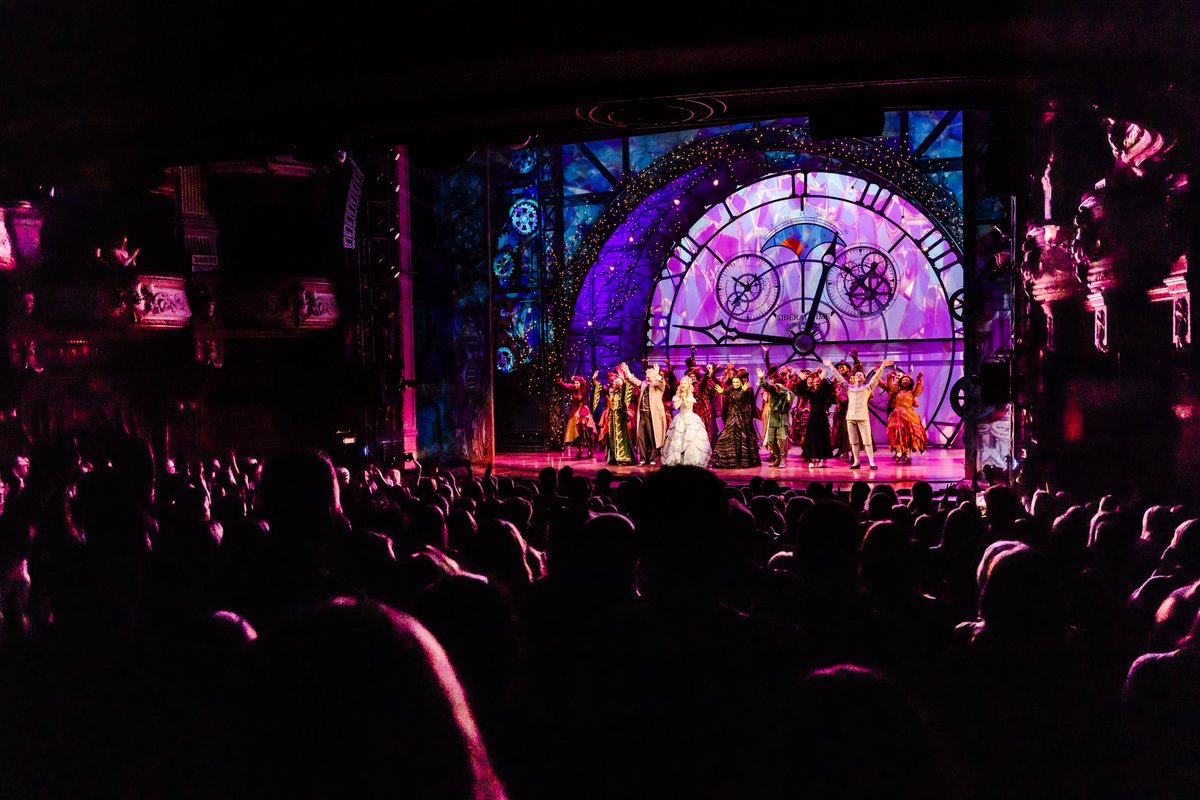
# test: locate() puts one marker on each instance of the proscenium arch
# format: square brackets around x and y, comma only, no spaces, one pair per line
[621,258]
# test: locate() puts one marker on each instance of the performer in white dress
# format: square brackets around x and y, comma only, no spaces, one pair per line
[686,440]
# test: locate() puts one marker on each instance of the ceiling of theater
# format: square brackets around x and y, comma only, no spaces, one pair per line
[112,91]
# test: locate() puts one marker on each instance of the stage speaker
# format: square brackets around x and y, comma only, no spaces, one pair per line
[845,123]
[995,385]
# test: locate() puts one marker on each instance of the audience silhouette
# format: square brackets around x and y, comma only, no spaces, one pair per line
[295,627]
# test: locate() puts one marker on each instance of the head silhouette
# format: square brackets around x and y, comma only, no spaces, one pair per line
[1183,553]
[1020,593]
[600,553]
[299,493]
[827,541]
[352,698]
[860,735]
[681,514]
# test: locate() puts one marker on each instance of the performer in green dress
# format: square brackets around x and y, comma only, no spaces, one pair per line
[614,424]
[780,399]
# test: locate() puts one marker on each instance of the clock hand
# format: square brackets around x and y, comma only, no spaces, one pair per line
[805,341]
[769,338]
[801,343]
[827,264]
[724,334]
[745,287]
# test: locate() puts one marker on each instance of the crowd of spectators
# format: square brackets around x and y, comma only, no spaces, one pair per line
[298,628]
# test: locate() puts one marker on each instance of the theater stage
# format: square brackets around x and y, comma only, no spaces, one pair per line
[937,466]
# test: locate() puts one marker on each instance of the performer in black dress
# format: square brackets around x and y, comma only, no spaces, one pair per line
[737,445]
[799,424]
[820,394]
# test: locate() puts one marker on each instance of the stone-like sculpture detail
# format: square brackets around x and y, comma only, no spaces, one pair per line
[1101,339]
[1048,271]
[1182,316]
[7,259]
[300,304]
[1129,240]
[310,305]
[210,350]
[156,301]
[23,354]
[1126,236]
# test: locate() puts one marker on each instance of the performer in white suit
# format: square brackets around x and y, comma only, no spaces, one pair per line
[858,412]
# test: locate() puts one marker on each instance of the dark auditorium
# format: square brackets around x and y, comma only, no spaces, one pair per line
[599,402]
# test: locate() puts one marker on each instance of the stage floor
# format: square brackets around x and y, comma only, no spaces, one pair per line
[936,466]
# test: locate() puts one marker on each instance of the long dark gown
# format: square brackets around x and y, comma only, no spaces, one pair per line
[737,444]
[816,432]
[703,394]
[799,424]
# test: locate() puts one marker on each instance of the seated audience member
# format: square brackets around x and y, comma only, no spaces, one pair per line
[1004,508]
[909,628]
[1160,703]
[851,732]
[1178,566]
[351,698]
[674,692]
[501,553]
[314,553]
[1022,690]
[300,627]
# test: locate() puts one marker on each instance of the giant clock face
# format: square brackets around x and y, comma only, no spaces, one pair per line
[811,265]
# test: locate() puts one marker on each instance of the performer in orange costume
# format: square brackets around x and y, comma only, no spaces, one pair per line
[905,431]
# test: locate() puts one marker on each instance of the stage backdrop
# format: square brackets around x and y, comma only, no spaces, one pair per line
[643,247]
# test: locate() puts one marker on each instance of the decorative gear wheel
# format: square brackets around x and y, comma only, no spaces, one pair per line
[863,282]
